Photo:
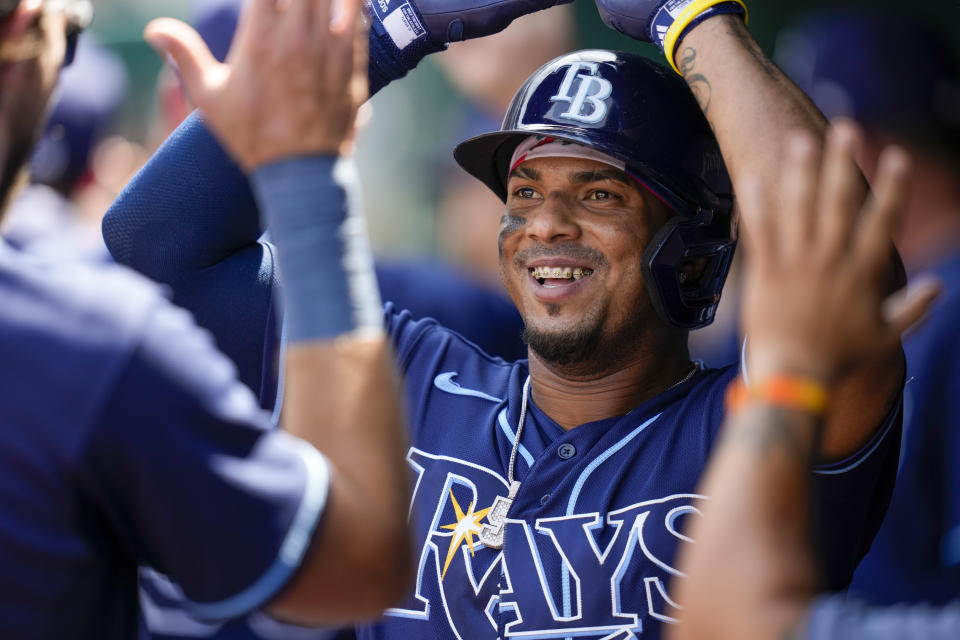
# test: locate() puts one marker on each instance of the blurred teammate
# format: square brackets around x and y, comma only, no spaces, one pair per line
[128,439]
[907,93]
[551,494]
[814,306]
[59,214]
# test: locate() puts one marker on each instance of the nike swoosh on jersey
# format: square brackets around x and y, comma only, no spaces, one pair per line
[446,383]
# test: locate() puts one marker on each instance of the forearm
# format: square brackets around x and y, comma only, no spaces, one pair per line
[751,105]
[751,571]
[342,393]
[363,548]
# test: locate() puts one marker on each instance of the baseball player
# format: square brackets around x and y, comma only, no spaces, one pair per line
[551,493]
[753,575]
[127,437]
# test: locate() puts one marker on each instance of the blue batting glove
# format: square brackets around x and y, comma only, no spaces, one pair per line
[402,32]
[663,22]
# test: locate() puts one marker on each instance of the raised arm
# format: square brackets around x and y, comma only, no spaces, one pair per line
[752,572]
[752,107]
[189,218]
[283,105]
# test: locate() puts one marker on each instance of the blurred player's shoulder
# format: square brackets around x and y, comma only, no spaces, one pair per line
[69,329]
[77,298]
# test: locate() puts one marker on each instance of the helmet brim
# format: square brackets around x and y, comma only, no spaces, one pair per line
[487,158]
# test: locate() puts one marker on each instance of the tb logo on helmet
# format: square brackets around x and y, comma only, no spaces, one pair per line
[588,104]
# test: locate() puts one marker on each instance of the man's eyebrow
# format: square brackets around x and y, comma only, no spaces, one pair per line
[525,172]
[598,175]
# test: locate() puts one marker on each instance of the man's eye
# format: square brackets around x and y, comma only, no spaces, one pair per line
[525,193]
[599,194]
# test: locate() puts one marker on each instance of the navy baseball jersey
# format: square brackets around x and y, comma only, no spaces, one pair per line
[128,440]
[589,542]
[916,556]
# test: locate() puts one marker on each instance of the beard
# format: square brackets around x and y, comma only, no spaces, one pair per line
[564,348]
[586,348]
[25,108]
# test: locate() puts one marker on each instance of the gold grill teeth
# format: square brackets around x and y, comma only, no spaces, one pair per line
[560,272]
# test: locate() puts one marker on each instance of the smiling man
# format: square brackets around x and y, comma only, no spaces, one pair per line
[551,494]
[588,299]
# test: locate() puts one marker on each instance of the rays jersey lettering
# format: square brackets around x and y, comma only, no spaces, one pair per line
[590,539]
[585,92]
[589,575]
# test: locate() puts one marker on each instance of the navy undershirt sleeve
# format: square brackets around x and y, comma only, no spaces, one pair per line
[850,499]
[189,220]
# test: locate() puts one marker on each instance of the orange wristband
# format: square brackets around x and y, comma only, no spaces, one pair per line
[785,390]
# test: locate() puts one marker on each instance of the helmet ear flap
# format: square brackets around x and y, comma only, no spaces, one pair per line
[688,303]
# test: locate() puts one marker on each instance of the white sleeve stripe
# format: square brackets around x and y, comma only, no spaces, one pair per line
[281,378]
[861,456]
[292,549]
[743,361]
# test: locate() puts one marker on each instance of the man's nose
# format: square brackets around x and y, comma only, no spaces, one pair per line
[554,220]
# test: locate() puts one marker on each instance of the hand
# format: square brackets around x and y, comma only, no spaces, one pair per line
[455,20]
[814,297]
[291,85]
[630,17]
[650,20]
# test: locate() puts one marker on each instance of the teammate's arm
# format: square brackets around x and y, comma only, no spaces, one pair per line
[188,219]
[283,107]
[752,573]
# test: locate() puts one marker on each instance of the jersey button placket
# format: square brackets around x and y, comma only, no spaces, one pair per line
[566,451]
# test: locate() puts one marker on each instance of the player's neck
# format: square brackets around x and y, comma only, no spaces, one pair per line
[572,400]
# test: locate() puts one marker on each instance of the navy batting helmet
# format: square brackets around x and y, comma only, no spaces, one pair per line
[641,113]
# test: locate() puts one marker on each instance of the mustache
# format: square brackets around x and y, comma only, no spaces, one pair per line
[586,255]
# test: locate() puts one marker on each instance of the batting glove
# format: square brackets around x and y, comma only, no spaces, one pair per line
[663,22]
[402,32]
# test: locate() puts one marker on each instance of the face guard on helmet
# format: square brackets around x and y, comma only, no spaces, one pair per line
[643,114]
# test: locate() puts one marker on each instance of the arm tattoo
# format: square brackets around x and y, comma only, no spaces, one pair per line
[698,82]
[770,430]
[687,60]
